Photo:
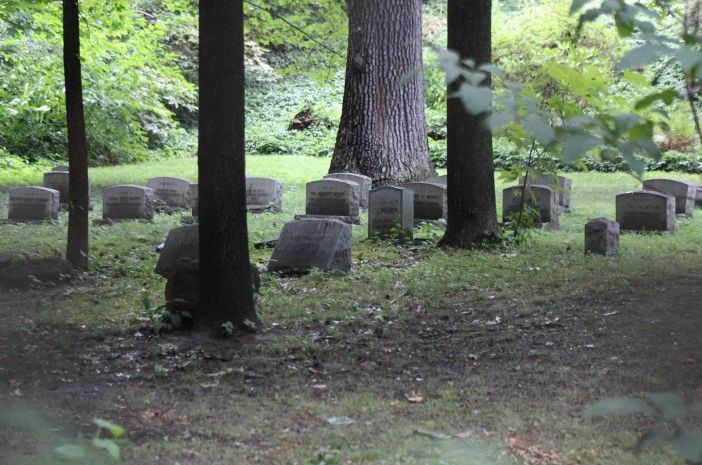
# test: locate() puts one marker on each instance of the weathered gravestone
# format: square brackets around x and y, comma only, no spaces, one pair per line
[61,168]
[33,204]
[264,194]
[685,193]
[561,185]
[194,198]
[312,243]
[58,180]
[644,211]
[429,202]
[540,198]
[128,202]
[391,211]
[335,198]
[602,237]
[170,192]
[365,184]
[698,198]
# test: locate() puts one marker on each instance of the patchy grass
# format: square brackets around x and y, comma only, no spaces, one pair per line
[494,344]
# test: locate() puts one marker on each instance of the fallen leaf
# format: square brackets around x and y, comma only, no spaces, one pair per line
[414,397]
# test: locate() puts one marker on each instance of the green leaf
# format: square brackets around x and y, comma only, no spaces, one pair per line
[498,120]
[618,406]
[689,58]
[670,405]
[689,446]
[538,128]
[115,430]
[638,166]
[667,96]
[578,145]
[109,446]
[475,99]
[626,121]
[641,56]
[636,79]
[71,451]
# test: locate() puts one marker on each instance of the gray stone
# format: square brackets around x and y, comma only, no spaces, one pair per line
[602,237]
[443,180]
[312,244]
[541,198]
[264,194]
[194,198]
[333,197]
[182,248]
[698,198]
[33,204]
[685,193]
[61,168]
[561,185]
[391,209]
[128,202]
[645,211]
[429,201]
[58,180]
[365,184]
[170,192]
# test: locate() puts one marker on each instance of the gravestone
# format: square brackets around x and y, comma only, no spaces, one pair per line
[644,211]
[685,193]
[561,185]
[182,248]
[33,204]
[698,198]
[391,209]
[429,201]
[128,202]
[264,194]
[365,184]
[170,192]
[61,168]
[602,237]
[194,198]
[58,180]
[540,198]
[335,198]
[307,244]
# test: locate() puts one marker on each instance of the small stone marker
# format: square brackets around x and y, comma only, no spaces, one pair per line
[685,193]
[364,182]
[264,194]
[306,244]
[336,198]
[602,237]
[61,168]
[541,198]
[33,204]
[645,211]
[58,180]
[171,192]
[194,198]
[182,248]
[429,201]
[561,185]
[391,209]
[128,202]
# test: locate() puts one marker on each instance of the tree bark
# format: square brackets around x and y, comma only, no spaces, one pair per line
[78,189]
[472,212]
[382,133]
[226,292]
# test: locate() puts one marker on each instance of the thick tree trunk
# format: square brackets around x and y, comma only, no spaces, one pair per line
[226,292]
[78,189]
[471,184]
[382,132]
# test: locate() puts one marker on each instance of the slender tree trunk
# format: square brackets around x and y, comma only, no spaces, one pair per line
[472,213]
[225,274]
[78,189]
[382,132]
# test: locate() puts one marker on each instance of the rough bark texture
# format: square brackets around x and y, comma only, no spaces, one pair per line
[77,249]
[472,212]
[226,290]
[382,132]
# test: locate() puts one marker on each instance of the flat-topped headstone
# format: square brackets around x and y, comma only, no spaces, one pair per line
[644,211]
[391,211]
[182,247]
[540,198]
[171,192]
[128,202]
[336,198]
[61,168]
[561,185]
[602,237]
[264,194]
[308,244]
[58,180]
[194,198]
[33,203]
[365,184]
[685,193]
[429,201]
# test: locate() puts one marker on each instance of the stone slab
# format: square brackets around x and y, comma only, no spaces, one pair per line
[264,194]
[602,237]
[182,247]
[365,184]
[333,197]
[170,192]
[33,203]
[391,211]
[541,198]
[128,202]
[646,211]
[685,193]
[430,202]
[561,185]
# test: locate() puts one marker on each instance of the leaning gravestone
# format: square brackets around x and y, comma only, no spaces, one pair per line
[61,168]
[171,192]
[560,184]
[128,202]
[645,211]
[194,198]
[602,237]
[307,244]
[685,193]
[365,184]
[264,194]
[33,204]
[541,198]
[429,201]
[335,198]
[391,210]
[58,180]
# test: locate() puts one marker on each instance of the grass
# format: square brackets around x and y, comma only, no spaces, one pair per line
[455,326]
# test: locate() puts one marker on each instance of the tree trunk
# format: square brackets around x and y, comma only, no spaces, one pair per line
[382,132]
[78,189]
[472,212]
[226,291]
